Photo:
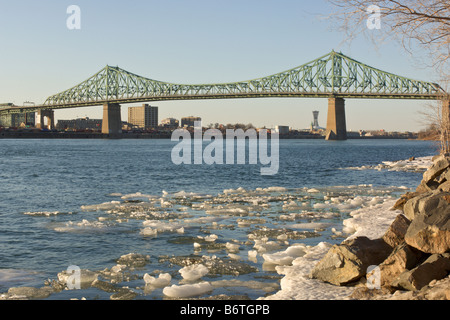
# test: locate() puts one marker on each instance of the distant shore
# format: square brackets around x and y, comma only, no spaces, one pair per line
[159,135]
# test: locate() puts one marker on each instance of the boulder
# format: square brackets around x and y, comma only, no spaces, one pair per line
[348,261]
[429,230]
[436,267]
[440,164]
[402,257]
[411,207]
[404,198]
[445,186]
[395,235]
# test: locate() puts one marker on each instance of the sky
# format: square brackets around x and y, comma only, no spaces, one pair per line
[196,41]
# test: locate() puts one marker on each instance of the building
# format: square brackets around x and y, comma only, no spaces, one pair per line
[189,121]
[282,129]
[170,123]
[80,124]
[16,120]
[144,117]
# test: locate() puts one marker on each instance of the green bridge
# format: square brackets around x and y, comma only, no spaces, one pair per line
[334,76]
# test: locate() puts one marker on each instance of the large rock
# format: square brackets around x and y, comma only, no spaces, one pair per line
[349,261]
[402,257]
[429,230]
[436,267]
[440,164]
[395,235]
[411,207]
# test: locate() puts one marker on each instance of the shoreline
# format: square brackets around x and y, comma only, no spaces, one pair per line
[161,135]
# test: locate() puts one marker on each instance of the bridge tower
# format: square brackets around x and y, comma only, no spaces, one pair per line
[45,114]
[336,124]
[112,119]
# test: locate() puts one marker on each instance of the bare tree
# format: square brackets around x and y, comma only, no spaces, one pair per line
[411,22]
[415,24]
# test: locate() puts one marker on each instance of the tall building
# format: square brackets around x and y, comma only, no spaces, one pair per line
[189,121]
[143,117]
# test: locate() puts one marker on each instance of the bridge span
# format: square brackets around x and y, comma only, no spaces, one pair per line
[334,76]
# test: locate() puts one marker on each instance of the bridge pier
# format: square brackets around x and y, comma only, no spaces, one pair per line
[46,114]
[112,119]
[336,125]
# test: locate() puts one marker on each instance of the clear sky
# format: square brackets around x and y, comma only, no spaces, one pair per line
[196,41]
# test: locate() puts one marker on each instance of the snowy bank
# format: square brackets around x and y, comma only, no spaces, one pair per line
[297,284]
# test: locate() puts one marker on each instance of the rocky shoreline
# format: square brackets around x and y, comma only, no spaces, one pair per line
[411,261]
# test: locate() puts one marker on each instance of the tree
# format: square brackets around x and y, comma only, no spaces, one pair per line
[421,23]
[425,23]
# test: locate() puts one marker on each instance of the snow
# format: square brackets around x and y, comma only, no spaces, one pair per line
[371,221]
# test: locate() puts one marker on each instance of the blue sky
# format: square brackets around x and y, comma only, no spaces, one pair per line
[197,41]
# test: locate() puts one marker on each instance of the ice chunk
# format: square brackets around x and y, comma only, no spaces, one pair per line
[188,290]
[285,257]
[193,272]
[232,247]
[162,281]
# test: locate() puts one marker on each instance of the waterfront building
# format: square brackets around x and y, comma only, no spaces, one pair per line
[144,117]
[170,123]
[189,121]
[79,124]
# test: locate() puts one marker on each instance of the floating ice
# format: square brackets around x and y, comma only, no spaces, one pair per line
[102,206]
[420,164]
[193,272]
[44,213]
[162,281]
[188,290]
[287,256]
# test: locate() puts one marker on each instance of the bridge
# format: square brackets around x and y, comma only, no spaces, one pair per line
[334,76]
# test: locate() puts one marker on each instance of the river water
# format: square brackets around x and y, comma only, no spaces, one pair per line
[87,203]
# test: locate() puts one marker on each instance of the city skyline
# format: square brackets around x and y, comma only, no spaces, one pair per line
[199,42]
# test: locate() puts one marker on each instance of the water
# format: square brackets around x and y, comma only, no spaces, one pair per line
[49,218]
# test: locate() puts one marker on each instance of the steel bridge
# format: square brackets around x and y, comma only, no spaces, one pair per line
[334,76]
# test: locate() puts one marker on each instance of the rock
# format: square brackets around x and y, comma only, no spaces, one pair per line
[403,199]
[395,235]
[349,261]
[436,267]
[429,231]
[411,207]
[440,164]
[445,186]
[402,257]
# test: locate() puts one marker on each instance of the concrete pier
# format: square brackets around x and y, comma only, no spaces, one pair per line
[112,119]
[46,114]
[336,125]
